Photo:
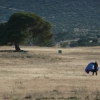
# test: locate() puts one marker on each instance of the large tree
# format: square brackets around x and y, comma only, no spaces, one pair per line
[21,26]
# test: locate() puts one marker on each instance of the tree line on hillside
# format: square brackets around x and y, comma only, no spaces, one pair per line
[66,39]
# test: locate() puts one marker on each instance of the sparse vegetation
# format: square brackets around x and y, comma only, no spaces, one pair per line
[80,16]
[72,98]
[44,74]
[28,55]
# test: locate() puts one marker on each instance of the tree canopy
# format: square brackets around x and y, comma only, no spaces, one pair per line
[21,26]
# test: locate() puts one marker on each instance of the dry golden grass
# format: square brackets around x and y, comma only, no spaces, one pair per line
[43,72]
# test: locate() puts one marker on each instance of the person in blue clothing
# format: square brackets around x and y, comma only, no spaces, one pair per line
[95,68]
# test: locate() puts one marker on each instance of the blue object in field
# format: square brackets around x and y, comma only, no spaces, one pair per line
[90,67]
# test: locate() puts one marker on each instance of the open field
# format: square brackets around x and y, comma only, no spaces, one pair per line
[45,74]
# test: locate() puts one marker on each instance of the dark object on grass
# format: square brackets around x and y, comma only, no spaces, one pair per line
[90,68]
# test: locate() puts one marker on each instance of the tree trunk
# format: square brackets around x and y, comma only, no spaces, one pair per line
[17,48]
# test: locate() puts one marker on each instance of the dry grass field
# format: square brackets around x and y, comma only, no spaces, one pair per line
[44,74]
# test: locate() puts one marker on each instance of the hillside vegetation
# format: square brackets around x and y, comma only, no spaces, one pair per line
[77,17]
[63,14]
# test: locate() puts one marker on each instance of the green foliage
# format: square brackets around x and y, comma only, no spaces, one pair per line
[42,34]
[88,42]
[21,26]
[85,42]
[73,98]
[62,14]
[63,36]
[73,44]
[78,39]
[63,44]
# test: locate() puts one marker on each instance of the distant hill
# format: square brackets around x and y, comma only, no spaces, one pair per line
[64,15]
